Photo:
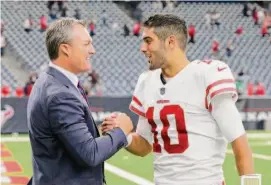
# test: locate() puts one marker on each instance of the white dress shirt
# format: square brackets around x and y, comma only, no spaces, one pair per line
[72,77]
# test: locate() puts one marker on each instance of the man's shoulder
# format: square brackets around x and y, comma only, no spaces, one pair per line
[146,79]
[144,75]
[48,87]
[147,75]
[208,65]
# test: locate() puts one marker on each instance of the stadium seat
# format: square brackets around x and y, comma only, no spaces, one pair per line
[119,61]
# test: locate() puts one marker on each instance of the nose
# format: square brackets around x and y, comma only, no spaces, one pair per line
[143,48]
[92,50]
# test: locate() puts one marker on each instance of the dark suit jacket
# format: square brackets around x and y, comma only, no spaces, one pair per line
[65,141]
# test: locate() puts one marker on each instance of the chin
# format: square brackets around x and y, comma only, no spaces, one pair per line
[87,67]
[83,69]
[152,68]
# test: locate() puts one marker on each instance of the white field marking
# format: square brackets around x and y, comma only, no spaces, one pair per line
[126,175]
[14,139]
[113,169]
[26,139]
[260,143]
[259,135]
[258,156]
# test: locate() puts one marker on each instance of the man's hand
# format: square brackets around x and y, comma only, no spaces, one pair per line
[109,123]
[120,120]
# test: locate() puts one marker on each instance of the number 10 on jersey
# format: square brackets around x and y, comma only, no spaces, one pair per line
[178,113]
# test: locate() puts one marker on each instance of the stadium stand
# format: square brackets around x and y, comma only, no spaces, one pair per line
[7,78]
[118,60]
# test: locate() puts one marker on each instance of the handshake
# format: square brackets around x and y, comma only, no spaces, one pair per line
[120,120]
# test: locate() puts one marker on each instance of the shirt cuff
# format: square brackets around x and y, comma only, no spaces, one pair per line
[129,138]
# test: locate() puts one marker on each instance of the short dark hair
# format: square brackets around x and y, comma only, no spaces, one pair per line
[166,25]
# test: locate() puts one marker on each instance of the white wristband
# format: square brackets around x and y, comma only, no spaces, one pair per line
[251,179]
[129,138]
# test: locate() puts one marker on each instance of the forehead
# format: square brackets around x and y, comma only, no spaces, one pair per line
[149,33]
[80,33]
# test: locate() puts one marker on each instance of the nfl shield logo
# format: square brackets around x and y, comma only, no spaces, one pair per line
[162,90]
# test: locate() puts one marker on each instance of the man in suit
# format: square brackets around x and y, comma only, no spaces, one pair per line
[66,145]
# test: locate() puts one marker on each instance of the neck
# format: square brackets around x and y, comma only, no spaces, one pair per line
[175,66]
[63,63]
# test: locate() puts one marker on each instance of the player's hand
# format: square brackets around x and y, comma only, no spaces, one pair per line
[120,120]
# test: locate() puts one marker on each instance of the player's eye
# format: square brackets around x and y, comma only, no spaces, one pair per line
[87,43]
[148,41]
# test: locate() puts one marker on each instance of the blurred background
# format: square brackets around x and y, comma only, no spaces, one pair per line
[238,33]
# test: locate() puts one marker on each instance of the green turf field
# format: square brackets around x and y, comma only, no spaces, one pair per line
[142,167]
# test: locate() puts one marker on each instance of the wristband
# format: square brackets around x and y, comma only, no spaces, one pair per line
[255,179]
[129,138]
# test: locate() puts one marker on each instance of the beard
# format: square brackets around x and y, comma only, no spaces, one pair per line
[158,60]
[155,66]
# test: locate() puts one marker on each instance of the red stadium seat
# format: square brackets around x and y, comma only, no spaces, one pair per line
[5,91]
[19,92]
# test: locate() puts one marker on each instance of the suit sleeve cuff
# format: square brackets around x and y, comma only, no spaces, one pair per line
[120,135]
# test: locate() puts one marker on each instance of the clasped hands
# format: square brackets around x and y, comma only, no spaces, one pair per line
[120,120]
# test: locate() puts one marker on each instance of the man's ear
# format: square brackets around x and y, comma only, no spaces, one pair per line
[171,42]
[65,49]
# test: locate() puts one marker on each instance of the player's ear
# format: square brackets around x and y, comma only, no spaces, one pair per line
[64,49]
[172,41]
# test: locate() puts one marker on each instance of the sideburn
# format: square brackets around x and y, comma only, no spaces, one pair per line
[161,55]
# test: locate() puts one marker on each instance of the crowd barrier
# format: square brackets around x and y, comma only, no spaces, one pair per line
[255,112]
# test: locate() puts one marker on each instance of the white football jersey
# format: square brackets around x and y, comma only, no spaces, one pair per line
[189,148]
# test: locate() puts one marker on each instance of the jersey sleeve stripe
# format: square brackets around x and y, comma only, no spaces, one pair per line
[222,91]
[210,108]
[135,110]
[206,102]
[216,83]
[136,100]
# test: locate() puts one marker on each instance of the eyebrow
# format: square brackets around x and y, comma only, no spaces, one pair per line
[146,38]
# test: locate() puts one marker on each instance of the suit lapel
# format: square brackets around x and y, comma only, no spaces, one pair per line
[65,81]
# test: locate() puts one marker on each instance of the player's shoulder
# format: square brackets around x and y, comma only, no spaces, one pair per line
[143,76]
[144,79]
[206,65]
[146,75]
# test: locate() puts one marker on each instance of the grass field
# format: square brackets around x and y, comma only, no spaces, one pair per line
[141,168]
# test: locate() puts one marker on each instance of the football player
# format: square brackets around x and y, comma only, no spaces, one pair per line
[187,112]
